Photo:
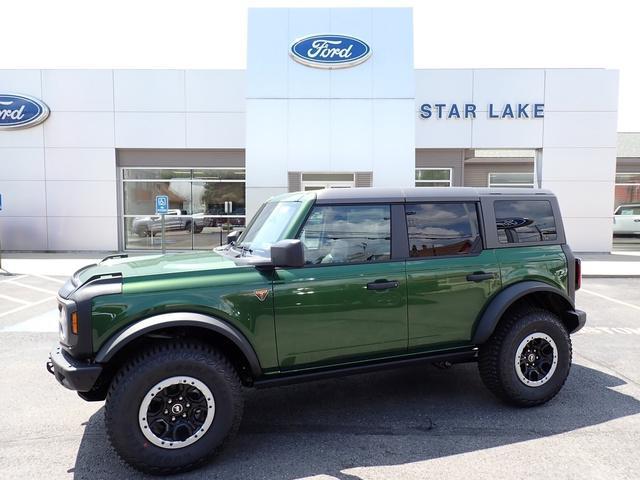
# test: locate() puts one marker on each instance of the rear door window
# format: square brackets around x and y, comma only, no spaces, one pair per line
[525,221]
[442,229]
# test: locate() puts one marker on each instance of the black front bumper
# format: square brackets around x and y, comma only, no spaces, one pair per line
[73,374]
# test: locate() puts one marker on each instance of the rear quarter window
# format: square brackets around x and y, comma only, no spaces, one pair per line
[525,221]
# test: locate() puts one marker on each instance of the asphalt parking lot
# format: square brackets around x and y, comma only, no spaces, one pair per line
[414,423]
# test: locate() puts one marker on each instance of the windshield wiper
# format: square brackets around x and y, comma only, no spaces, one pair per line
[243,249]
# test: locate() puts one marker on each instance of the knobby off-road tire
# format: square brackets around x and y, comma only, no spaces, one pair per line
[200,369]
[504,361]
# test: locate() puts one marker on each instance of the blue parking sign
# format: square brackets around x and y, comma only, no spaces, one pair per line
[162,204]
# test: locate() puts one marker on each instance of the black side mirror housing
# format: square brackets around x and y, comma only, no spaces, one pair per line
[287,253]
[233,236]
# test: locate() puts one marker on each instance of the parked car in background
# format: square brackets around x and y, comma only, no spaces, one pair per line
[626,220]
[174,220]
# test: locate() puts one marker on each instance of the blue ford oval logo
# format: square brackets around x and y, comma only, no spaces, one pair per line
[330,51]
[21,111]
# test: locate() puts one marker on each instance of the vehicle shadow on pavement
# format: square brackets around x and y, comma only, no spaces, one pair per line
[385,418]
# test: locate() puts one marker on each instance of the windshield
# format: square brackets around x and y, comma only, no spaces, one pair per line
[268,227]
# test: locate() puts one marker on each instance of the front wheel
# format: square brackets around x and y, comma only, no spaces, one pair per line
[171,408]
[527,359]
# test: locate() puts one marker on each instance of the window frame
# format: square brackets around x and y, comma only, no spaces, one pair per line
[477,247]
[511,185]
[426,183]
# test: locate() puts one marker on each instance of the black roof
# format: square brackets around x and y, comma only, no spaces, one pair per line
[418,194]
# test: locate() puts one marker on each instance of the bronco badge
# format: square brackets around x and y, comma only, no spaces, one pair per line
[262,293]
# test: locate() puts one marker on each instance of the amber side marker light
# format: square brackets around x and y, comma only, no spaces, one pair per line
[74,323]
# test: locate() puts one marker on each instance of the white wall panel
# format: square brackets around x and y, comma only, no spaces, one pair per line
[266,153]
[588,234]
[24,137]
[309,135]
[78,90]
[500,86]
[305,82]
[393,73]
[393,143]
[351,136]
[583,199]
[355,82]
[506,133]
[580,129]
[21,164]
[81,199]
[79,129]
[439,133]
[150,130]
[23,233]
[579,164]
[215,90]
[149,90]
[83,233]
[581,90]
[28,82]
[23,198]
[444,86]
[80,164]
[267,53]
[215,130]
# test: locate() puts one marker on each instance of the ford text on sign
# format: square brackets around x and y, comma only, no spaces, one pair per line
[21,111]
[330,51]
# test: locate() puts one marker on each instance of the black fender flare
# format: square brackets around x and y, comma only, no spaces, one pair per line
[491,315]
[180,319]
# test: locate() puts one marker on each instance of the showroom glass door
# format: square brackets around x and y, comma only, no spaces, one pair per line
[205,204]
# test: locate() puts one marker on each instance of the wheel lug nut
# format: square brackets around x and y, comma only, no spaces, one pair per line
[166,412]
[188,405]
[180,398]
[184,415]
[169,401]
[173,419]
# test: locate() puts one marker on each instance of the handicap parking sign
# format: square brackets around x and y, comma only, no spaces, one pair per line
[162,204]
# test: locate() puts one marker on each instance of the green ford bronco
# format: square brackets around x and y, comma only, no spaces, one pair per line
[320,284]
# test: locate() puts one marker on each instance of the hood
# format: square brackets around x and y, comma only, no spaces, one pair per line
[155,265]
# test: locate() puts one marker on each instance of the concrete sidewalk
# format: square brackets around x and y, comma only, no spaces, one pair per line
[617,264]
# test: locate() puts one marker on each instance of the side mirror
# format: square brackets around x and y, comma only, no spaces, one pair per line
[233,236]
[287,253]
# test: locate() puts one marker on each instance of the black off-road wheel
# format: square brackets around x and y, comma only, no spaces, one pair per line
[173,407]
[527,359]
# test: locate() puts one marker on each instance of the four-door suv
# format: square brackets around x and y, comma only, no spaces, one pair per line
[320,284]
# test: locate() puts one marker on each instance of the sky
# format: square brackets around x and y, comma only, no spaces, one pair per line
[212,34]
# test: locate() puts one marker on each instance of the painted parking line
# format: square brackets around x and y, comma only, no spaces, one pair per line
[14,299]
[31,287]
[24,307]
[13,279]
[46,322]
[51,279]
[619,302]
[609,331]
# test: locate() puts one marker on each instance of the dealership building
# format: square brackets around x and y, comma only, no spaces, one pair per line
[218,143]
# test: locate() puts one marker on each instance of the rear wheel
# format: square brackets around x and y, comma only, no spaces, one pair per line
[173,407]
[527,359]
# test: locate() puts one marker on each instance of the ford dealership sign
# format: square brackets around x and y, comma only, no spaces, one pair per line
[21,111]
[329,51]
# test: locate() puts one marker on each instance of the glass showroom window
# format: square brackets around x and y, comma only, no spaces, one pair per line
[204,205]
[514,180]
[433,177]
[627,188]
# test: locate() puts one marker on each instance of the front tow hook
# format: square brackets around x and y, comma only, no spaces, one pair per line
[50,366]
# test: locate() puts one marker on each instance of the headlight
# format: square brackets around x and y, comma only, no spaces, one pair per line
[63,323]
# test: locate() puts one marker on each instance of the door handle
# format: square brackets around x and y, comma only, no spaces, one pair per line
[382,285]
[480,276]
